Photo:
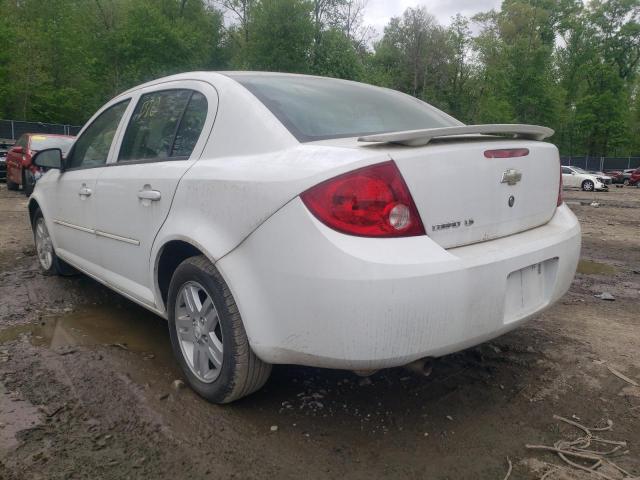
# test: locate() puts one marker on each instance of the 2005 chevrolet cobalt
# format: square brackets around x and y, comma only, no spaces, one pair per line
[276,218]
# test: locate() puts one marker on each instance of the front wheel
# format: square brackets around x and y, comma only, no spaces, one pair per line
[588,186]
[49,261]
[208,336]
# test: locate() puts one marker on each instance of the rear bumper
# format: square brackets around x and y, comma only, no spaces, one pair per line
[309,295]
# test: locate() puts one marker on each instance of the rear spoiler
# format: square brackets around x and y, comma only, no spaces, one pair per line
[416,138]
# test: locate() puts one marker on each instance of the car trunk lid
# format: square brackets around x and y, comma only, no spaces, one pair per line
[463,197]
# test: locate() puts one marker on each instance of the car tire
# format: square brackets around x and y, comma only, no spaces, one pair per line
[28,182]
[49,262]
[208,336]
[588,186]
[12,185]
[626,182]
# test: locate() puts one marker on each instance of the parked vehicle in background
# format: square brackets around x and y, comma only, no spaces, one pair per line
[634,178]
[20,169]
[616,176]
[626,175]
[276,218]
[575,177]
[603,177]
[4,148]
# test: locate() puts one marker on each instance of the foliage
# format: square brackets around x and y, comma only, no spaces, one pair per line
[568,64]
[281,36]
[336,57]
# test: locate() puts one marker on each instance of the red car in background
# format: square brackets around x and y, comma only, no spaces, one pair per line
[634,179]
[617,176]
[20,170]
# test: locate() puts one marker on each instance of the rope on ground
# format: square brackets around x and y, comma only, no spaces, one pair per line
[621,376]
[588,450]
[506,477]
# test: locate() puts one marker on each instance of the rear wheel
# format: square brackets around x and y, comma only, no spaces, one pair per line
[626,182]
[208,337]
[49,261]
[588,186]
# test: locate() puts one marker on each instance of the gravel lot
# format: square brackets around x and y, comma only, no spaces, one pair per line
[86,384]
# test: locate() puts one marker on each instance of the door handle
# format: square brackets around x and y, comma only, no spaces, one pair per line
[85,191]
[153,195]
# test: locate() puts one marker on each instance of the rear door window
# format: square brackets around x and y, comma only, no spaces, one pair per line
[190,126]
[165,125]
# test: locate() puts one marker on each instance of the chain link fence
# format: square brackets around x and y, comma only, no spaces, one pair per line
[601,163]
[13,129]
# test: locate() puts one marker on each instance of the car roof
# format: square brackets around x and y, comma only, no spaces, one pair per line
[212,76]
[48,135]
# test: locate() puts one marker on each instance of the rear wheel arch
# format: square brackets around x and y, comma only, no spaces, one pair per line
[169,257]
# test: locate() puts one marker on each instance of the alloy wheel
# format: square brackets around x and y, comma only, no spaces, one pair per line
[199,333]
[44,246]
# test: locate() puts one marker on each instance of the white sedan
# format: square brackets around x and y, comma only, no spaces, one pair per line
[287,219]
[575,177]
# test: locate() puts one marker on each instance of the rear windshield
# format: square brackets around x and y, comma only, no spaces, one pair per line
[313,108]
[41,142]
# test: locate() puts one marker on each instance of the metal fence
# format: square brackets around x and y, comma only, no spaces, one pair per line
[601,163]
[13,129]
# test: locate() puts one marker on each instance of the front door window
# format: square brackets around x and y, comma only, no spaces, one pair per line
[92,148]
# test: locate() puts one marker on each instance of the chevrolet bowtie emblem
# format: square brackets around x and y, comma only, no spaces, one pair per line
[511,176]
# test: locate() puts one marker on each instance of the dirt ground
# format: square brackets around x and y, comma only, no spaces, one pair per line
[86,384]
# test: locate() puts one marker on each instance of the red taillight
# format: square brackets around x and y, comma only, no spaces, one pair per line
[507,153]
[372,201]
[560,189]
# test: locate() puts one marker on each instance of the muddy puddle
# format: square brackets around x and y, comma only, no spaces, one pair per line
[16,415]
[129,328]
[589,267]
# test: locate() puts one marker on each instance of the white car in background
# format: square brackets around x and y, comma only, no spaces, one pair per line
[275,218]
[575,177]
[603,177]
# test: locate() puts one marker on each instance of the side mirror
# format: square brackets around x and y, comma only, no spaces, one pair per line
[18,150]
[49,158]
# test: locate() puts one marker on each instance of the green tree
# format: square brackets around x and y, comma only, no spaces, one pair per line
[336,56]
[282,36]
[405,54]
[516,52]
[458,88]
[568,64]
[65,58]
[598,66]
